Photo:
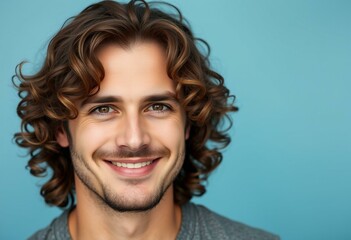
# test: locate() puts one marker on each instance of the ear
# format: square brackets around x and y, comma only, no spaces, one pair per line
[187,132]
[61,136]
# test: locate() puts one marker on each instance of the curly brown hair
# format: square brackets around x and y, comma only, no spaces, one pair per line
[72,71]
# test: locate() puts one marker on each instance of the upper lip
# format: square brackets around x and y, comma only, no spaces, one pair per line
[133,160]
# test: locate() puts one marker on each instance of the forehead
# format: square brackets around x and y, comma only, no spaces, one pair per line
[140,69]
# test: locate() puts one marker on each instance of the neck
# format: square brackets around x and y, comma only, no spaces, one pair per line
[92,220]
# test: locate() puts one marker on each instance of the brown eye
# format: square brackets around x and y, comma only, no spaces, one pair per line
[158,107]
[103,110]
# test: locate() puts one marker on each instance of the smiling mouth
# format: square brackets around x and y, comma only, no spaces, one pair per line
[137,167]
[132,165]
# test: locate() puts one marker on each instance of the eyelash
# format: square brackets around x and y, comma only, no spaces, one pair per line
[96,109]
[112,109]
[168,107]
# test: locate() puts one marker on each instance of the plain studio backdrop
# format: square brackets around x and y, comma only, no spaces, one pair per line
[288,169]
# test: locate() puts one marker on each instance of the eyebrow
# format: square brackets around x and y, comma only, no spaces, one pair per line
[167,96]
[101,99]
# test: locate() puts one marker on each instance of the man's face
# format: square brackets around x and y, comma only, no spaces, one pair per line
[128,141]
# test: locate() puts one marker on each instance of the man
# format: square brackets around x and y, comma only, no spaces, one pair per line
[121,111]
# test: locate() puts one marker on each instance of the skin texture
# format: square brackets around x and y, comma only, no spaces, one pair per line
[134,118]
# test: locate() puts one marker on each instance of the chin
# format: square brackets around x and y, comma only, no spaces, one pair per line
[134,203]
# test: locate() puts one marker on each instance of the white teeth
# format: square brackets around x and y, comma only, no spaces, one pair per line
[131,165]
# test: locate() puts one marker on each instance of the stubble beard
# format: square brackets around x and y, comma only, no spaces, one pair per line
[119,203]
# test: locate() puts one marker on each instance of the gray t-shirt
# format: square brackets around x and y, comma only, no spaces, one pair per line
[198,223]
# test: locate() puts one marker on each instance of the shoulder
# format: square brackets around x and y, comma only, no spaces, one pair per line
[206,224]
[56,230]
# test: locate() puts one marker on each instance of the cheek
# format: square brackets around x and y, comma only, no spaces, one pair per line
[88,135]
[171,134]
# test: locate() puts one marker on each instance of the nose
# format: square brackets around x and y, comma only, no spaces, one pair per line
[133,132]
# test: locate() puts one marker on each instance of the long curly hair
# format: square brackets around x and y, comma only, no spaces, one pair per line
[71,71]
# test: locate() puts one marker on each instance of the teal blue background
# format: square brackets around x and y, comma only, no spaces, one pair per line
[288,169]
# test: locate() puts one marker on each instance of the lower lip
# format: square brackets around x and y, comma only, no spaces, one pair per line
[133,172]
